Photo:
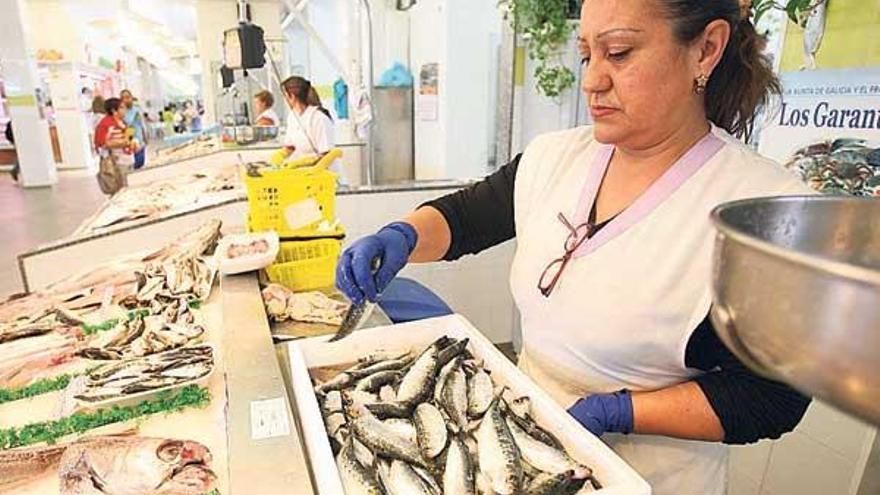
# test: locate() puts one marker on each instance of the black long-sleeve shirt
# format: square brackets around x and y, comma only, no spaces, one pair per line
[749,407]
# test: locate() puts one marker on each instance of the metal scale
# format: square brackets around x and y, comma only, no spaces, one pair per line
[796,284]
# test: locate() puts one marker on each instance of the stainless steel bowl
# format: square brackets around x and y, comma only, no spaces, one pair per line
[797,294]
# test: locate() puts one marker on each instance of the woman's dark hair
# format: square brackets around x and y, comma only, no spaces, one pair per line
[743,81]
[111,105]
[266,98]
[301,89]
[98,104]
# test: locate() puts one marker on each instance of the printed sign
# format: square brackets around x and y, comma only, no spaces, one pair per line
[827,129]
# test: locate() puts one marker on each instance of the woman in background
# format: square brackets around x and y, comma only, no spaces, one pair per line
[309,125]
[263,102]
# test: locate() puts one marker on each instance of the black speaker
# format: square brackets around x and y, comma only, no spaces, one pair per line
[244,47]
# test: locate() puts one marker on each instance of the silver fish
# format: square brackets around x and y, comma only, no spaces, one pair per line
[563,483]
[402,427]
[356,479]
[418,383]
[480,392]
[441,378]
[338,382]
[545,457]
[375,381]
[385,410]
[399,478]
[430,429]
[384,365]
[498,456]
[381,439]
[451,351]
[458,474]
[454,400]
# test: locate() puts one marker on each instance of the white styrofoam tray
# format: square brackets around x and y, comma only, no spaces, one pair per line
[616,476]
[231,266]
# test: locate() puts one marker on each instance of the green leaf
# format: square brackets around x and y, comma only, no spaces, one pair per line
[101,327]
[39,387]
[80,422]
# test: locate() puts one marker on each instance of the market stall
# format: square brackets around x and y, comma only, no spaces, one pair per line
[145,375]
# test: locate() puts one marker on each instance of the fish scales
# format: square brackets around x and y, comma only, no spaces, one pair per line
[458,474]
[545,457]
[430,430]
[498,455]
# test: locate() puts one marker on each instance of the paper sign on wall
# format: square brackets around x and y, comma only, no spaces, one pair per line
[427,101]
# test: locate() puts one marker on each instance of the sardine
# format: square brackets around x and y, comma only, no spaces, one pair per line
[458,474]
[441,377]
[338,382]
[480,391]
[454,400]
[356,479]
[524,420]
[498,456]
[430,429]
[563,483]
[381,439]
[398,478]
[418,383]
[385,410]
[374,382]
[396,364]
[545,457]
[403,427]
[451,351]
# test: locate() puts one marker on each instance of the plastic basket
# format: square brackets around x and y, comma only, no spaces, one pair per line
[291,200]
[306,265]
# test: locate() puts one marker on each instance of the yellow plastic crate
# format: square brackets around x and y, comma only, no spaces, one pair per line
[306,265]
[274,191]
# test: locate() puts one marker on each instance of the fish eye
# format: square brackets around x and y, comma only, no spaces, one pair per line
[170,451]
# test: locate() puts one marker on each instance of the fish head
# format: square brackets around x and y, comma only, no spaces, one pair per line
[188,464]
[193,479]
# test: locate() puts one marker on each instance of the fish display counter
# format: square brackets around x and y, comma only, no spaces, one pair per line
[134,224]
[151,374]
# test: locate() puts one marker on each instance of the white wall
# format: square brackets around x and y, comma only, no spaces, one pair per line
[826,454]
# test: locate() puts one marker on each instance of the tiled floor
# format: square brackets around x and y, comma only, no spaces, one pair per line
[30,217]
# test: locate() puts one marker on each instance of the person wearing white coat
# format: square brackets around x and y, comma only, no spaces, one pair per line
[612,269]
[309,126]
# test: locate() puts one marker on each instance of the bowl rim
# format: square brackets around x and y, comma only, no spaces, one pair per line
[815,262]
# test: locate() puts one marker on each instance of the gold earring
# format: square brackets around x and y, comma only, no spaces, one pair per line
[700,84]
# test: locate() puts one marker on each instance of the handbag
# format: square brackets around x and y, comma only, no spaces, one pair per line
[111,177]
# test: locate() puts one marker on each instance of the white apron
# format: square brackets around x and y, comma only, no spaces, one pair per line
[627,303]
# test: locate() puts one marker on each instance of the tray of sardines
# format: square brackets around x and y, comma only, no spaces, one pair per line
[130,381]
[432,407]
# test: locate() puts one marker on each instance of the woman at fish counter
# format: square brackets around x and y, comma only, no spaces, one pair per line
[613,261]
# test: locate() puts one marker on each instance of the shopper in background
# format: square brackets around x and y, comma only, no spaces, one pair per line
[263,102]
[97,111]
[613,262]
[115,147]
[134,119]
[11,138]
[189,114]
[309,126]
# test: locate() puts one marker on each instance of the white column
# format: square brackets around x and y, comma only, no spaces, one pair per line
[20,78]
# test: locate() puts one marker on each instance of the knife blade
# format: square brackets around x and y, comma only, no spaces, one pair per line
[357,314]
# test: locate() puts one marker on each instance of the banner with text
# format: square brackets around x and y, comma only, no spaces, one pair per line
[827,128]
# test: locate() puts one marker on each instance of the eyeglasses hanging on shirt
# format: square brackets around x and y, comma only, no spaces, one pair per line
[577,235]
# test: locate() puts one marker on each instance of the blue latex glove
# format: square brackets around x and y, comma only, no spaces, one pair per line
[392,245]
[601,413]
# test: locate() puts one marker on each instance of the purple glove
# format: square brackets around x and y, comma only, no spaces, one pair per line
[392,245]
[601,413]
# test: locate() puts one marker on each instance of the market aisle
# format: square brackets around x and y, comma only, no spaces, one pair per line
[30,217]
